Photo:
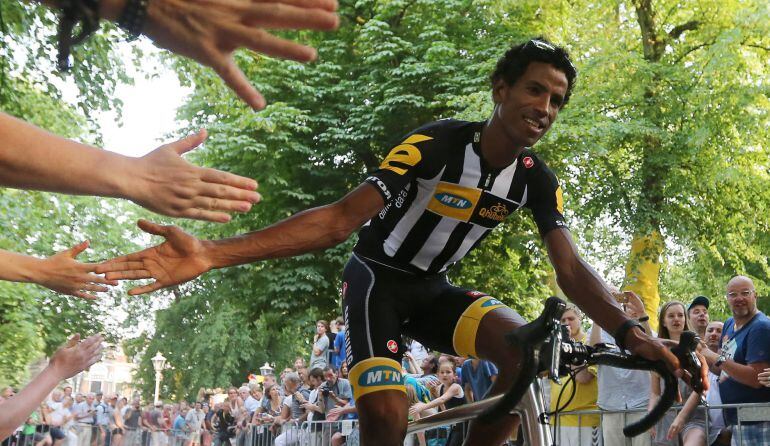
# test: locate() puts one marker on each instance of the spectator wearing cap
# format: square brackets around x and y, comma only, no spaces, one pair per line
[718,434]
[699,315]
[745,352]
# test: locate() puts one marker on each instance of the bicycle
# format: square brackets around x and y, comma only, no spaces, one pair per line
[547,347]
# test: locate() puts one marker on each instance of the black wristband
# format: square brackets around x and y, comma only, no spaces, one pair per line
[133,17]
[644,318]
[622,331]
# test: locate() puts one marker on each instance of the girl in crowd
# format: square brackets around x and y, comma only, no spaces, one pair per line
[450,395]
[690,422]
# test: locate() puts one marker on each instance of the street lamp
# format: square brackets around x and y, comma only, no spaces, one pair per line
[266,370]
[158,363]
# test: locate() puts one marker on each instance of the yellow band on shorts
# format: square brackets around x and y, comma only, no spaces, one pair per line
[376,374]
[464,338]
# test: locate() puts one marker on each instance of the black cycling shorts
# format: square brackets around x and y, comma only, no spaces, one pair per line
[380,304]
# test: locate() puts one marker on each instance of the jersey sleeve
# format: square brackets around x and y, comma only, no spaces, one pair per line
[545,196]
[407,160]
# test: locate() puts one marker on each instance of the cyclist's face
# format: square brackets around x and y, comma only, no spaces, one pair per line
[529,107]
[570,319]
[674,319]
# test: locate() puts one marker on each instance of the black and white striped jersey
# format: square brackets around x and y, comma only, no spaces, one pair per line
[442,200]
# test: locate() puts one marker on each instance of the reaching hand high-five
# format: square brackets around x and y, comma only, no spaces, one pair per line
[179,259]
[61,272]
[162,181]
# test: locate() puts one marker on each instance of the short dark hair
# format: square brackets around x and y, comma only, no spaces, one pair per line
[515,61]
[317,373]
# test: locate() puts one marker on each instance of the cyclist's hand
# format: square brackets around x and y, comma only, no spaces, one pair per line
[653,349]
[179,259]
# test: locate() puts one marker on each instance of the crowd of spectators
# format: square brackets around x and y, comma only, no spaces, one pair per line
[737,352]
[267,413]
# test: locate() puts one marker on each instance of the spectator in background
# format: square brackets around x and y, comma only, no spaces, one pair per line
[343,371]
[450,395]
[745,353]
[718,434]
[315,409]
[622,389]
[698,312]
[292,411]
[83,411]
[320,354]
[331,333]
[574,430]
[478,375]
[132,421]
[336,392]
[338,355]
[690,422]
[194,423]
[208,428]
[179,425]
[67,390]
[223,423]
[428,369]
[299,362]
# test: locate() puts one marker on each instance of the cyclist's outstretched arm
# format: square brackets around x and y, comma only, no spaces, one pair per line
[182,257]
[161,181]
[586,288]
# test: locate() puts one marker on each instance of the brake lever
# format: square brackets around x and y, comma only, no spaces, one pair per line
[688,360]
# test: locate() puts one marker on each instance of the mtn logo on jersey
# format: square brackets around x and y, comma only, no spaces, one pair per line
[453,200]
[470,204]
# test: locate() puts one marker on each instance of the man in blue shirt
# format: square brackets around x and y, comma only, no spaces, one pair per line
[745,352]
[478,375]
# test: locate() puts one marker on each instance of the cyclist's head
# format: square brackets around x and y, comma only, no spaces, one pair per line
[514,63]
[672,319]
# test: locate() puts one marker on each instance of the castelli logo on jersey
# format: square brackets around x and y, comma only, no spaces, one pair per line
[474,293]
[497,212]
[454,201]
[528,162]
[392,346]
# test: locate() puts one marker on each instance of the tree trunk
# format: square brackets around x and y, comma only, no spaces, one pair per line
[643,272]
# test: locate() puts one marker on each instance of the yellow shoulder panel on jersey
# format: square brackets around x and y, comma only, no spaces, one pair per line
[405,153]
[559,201]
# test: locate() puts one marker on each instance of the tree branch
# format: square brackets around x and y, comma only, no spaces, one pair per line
[680,29]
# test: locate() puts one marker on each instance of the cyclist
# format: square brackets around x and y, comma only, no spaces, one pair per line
[434,198]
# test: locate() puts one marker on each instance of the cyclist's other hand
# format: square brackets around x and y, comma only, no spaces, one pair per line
[179,259]
[654,349]
[210,31]
[164,182]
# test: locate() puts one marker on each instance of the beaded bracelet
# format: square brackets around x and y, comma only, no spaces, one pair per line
[133,17]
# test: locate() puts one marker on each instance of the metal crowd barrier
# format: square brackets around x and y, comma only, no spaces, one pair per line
[746,413]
